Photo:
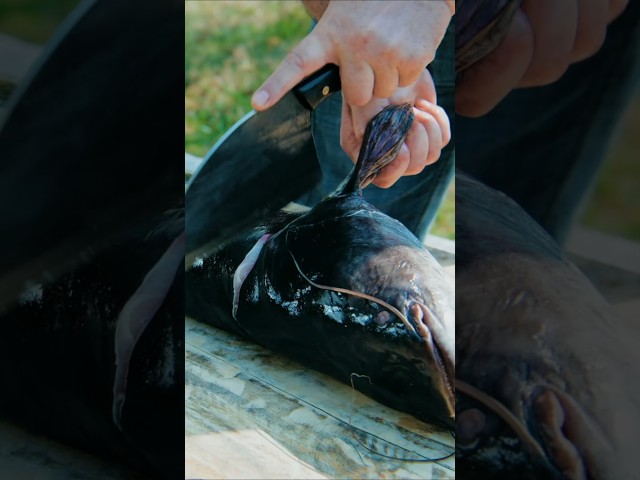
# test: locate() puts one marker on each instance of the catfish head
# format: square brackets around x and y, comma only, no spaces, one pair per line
[544,364]
[344,289]
[394,298]
[357,259]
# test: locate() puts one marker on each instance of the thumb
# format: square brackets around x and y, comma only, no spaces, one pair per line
[307,57]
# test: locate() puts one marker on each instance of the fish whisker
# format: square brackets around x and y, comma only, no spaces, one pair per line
[365,296]
[503,412]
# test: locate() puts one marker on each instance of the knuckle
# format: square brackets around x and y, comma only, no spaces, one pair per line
[471,106]
[357,97]
[433,157]
[386,50]
[383,90]
[589,43]
[616,7]
[411,67]
[296,60]
[364,40]
[551,72]
[383,183]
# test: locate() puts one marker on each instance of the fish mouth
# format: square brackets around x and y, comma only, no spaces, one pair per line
[419,322]
[561,439]
[440,355]
[573,441]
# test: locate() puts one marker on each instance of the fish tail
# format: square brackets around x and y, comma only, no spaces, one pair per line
[383,138]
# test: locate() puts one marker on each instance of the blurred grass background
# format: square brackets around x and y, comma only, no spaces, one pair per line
[615,205]
[33,20]
[231,48]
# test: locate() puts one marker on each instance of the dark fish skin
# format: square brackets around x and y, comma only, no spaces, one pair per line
[57,359]
[536,337]
[343,242]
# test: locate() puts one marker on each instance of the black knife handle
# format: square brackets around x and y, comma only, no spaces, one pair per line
[315,88]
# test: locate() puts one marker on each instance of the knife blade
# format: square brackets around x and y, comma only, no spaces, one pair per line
[86,149]
[266,160]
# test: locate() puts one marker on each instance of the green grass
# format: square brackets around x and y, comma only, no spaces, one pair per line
[615,205]
[34,20]
[231,48]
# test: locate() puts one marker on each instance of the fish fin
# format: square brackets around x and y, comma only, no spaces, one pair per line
[244,269]
[383,137]
[136,315]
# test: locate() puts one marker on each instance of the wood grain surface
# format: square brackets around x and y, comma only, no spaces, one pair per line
[251,413]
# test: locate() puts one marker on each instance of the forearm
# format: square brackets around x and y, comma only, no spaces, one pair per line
[316,8]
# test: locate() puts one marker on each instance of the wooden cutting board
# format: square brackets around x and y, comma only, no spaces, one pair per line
[251,413]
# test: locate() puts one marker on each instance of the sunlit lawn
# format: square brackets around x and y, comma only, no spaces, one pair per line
[615,205]
[231,47]
[33,20]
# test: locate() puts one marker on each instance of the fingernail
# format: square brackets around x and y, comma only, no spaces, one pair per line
[404,149]
[260,98]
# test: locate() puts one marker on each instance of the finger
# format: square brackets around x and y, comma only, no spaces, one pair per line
[362,115]
[425,87]
[441,117]
[385,81]
[307,57]
[434,135]
[591,28]
[485,83]
[357,82]
[418,143]
[554,25]
[406,76]
[392,172]
[616,7]
[348,140]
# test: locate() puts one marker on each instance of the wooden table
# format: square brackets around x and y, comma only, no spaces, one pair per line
[251,413]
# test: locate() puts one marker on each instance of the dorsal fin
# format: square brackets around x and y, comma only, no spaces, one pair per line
[383,138]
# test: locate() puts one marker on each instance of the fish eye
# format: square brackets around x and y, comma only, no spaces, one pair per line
[382,318]
[469,426]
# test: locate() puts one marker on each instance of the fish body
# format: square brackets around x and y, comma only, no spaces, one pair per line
[344,289]
[544,366]
[59,354]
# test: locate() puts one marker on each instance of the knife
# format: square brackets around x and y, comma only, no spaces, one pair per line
[86,149]
[266,160]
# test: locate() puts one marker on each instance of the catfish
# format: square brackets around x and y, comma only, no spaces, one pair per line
[94,359]
[344,289]
[546,376]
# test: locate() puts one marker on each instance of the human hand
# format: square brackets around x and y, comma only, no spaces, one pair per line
[429,133]
[379,46]
[544,39]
